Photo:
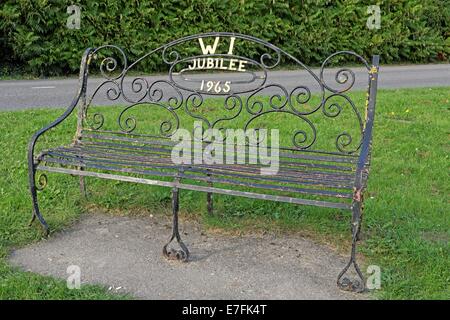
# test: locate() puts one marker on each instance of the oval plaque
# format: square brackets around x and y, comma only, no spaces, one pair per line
[218,74]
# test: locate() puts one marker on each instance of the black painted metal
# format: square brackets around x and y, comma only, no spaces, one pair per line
[181,254]
[360,180]
[35,137]
[308,174]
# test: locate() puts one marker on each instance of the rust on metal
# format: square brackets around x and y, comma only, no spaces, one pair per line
[357,194]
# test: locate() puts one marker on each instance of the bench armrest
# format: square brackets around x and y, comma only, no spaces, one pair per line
[81,91]
[367,138]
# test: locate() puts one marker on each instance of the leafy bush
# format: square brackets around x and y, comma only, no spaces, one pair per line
[34,36]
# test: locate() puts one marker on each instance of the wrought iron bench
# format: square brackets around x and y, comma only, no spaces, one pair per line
[249,91]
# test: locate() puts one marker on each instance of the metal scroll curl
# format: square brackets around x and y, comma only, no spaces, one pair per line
[332,108]
[269,61]
[276,101]
[156,93]
[113,66]
[344,78]
[139,87]
[167,126]
[192,104]
[41,182]
[113,92]
[299,98]
[300,138]
[109,65]
[170,55]
[231,103]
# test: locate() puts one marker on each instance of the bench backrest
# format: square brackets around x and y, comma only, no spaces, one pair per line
[231,80]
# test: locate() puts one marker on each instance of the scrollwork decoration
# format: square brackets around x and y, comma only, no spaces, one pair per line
[344,77]
[156,94]
[170,55]
[231,102]
[276,101]
[109,64]
[41,182]
[267,57]
[332,108]
[166,128]
[169,95]
[300,137]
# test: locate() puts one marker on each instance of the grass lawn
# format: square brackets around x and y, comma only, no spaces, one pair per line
[406,227]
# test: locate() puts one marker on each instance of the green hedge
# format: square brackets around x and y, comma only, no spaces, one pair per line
[34,36]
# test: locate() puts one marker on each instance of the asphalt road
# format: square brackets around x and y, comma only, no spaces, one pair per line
[23,94]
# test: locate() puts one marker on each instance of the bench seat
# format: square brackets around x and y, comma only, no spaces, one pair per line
[327,180]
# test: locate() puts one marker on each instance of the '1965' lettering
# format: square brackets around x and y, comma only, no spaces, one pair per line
[215,86]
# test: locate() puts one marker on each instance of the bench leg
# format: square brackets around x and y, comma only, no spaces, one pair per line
[83,186]
[344,282]
[34,198]
[170,253]
[209,200]
[82,180]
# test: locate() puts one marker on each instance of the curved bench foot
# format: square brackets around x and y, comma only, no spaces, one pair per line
[356,283]
[181,254]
